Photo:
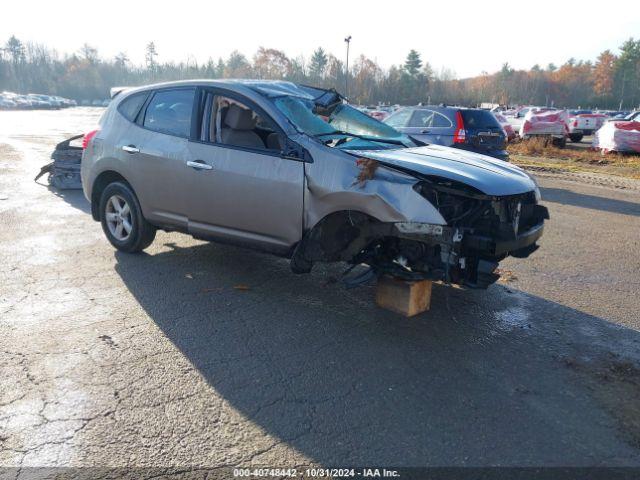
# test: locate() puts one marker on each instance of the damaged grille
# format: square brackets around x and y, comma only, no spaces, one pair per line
[483,229]
[497,217]
[506,217]
[455,202]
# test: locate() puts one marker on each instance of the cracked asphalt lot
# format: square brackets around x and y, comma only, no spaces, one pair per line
[200,355]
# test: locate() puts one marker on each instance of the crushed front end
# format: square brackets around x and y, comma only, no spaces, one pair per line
[481,230]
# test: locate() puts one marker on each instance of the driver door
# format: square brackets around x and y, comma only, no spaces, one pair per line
[242,190]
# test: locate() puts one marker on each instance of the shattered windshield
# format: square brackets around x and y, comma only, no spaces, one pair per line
[339,125]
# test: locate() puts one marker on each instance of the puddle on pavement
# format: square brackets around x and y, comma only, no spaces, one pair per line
[512,318]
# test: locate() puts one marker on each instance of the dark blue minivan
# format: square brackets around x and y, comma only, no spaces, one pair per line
[466,128]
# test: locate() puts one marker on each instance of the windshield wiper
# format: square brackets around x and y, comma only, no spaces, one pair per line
[336,132]
[362,137]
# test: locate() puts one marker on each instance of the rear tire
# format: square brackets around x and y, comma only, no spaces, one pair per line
[122,220]
[576,137]
[559,142]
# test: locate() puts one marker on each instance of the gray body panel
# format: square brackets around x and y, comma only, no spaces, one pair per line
[247,197]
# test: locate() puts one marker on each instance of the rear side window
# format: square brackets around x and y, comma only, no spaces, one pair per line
[479,119]
[440,120]
[169,112]
[130,106]
[399,119]
[422,118]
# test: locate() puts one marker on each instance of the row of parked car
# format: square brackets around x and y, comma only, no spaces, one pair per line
[612,131]
[18,101]
[488,132]
[11,100]
[578,122]
[94,103]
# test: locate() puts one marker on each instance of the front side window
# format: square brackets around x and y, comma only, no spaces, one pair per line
[169,112]
[233,123]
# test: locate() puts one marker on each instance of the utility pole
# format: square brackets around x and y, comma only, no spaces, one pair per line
[624,79]
[346,78]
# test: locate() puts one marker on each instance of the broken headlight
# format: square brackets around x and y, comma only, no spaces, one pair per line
[454,200]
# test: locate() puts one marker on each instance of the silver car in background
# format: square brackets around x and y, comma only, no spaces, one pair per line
[295,171]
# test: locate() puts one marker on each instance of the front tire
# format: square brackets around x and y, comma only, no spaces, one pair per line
[576,137]
[122,220]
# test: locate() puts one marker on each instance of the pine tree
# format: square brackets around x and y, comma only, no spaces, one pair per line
[318,63]
[220,68]
[15,48]
[150,56]
[413,63]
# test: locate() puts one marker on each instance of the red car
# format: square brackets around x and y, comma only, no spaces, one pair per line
[509,132]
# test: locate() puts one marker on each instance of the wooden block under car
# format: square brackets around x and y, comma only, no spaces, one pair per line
[408,298]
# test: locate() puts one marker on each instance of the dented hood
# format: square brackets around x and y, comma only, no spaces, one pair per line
[489,175]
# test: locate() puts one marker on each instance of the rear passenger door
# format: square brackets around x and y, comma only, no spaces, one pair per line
[157,150]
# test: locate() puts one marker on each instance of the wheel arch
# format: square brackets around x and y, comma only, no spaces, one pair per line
[338,236]
[99,184]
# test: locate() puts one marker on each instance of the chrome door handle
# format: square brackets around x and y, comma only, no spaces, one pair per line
[199,165]
[130,149]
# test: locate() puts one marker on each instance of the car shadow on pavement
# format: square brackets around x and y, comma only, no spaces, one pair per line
[593,202]
[75,198]
[494,377]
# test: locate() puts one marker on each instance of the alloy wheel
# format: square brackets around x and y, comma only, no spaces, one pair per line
[118,217]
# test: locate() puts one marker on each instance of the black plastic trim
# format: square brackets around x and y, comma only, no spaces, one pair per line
[491,246]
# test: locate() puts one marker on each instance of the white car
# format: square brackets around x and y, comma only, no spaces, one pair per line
[6,103]
[633,116]
[583,122]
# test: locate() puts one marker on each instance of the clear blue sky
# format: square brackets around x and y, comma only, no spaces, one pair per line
[465,36]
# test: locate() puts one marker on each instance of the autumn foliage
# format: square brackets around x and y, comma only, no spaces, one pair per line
[611,81]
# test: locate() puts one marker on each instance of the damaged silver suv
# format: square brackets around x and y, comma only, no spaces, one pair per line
[295,171]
